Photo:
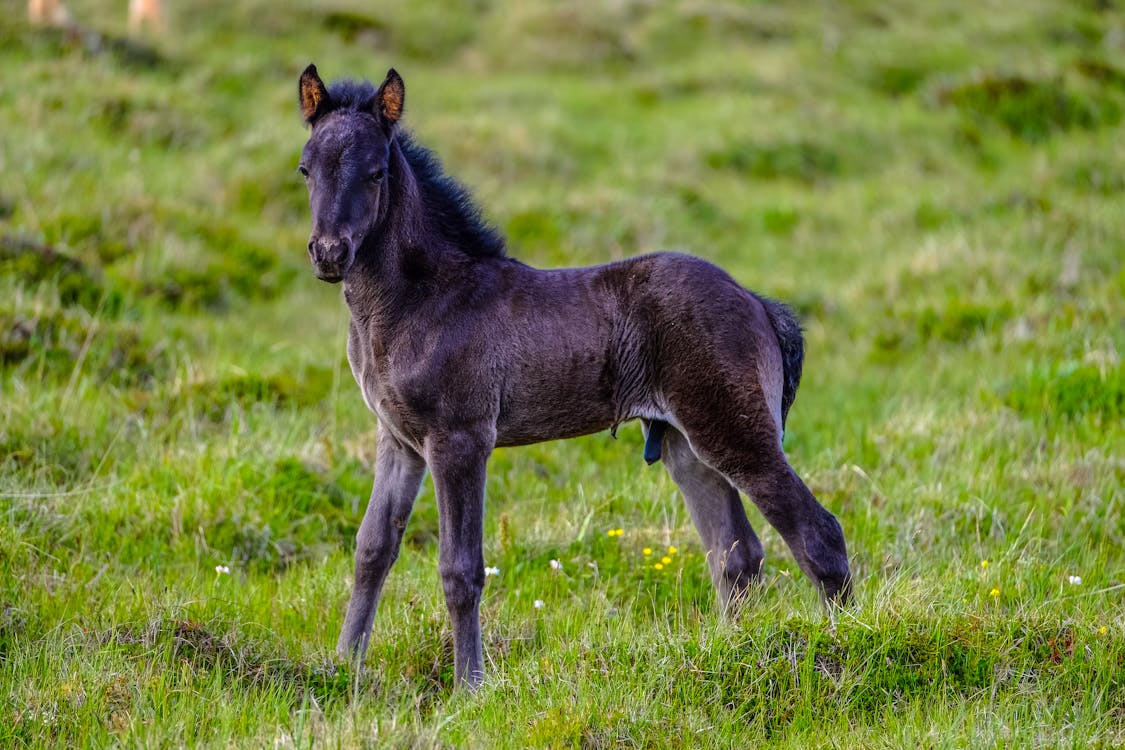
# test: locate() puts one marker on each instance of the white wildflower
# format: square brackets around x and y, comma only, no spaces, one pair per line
[538,604]
[1075,580]
[222,570]
[492,571]
[556,565]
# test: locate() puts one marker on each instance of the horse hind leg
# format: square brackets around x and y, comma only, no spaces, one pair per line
[725,395]
[749,455]
[811,532]
[734,553]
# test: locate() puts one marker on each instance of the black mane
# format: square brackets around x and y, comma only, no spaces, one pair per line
[448,204]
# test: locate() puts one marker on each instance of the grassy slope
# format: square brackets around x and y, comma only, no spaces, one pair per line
[937,190]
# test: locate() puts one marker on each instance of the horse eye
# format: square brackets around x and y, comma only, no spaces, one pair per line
[378,175]
[304,172]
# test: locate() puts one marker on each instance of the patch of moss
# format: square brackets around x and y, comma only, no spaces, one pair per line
[242,662]
[148,123]
[802,160]
[956,321]
[214,399]
[58,453]
[1068,391]
[696,204]
[35,263]
[896,79]
[780,221]
[230,266]
[677,30]
[216,264]
[1100,177]
[1101,71]
[558,35]
[55,339]
[929,215]
[103,237]
[959,321]
[535,228]
[74,39]
[277,193]
[1080,30]
[1018,201]
[414,30]
[352,25]
[1031,109]
[309,516]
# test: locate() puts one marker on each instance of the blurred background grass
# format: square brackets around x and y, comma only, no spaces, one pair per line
[936,189]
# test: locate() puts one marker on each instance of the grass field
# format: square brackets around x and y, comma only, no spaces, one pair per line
[938,189]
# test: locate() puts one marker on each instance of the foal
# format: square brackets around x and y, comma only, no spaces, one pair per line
[459,348]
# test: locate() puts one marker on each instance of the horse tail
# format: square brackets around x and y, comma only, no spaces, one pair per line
[792,344]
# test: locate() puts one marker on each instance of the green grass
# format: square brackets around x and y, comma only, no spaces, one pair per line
[937,188]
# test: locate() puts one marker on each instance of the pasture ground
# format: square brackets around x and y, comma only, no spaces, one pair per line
[937,188]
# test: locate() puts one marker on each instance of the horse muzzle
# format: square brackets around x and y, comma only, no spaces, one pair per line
[331,257]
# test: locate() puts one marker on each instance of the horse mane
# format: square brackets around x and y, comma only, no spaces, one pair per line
[449,206]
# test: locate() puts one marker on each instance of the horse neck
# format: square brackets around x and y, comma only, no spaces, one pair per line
[402,252]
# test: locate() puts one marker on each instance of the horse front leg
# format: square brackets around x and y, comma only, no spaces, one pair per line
[457,461]
[398,477]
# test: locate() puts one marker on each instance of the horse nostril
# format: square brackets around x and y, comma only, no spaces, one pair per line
[329,251]
[336,252]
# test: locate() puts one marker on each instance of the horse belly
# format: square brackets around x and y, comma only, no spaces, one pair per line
[551,405]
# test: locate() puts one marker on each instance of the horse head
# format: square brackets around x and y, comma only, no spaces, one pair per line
[346,165]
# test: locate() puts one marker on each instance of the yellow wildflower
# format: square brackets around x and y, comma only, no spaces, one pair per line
[672,550]
[647,551]
[658,566]
[1103,630]
[994,593]
[984,563]
[666,560]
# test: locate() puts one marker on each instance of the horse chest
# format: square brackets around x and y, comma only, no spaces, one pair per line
[382,393]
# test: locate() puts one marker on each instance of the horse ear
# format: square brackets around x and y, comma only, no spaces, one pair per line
[390,98]
[312,95]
